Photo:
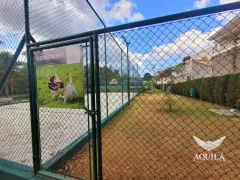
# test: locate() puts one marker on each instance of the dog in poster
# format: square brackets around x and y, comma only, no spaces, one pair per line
[54,84]
[68,91]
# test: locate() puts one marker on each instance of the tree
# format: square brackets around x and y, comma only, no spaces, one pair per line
[5,60]
[105,72]
[17,81]
[113,82]
[147,77]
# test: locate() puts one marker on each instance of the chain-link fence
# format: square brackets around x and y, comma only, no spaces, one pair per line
[184,121]
[160,97]
[14,112]
[15,128]
[48,20]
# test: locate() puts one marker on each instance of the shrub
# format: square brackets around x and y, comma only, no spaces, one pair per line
[222,90]
[211,82]
[219,90]
[231,93]
[237,90]
[196,85]
[206,87]
[201,90]
[149,85]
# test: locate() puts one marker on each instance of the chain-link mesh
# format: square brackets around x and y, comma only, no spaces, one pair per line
[61,129]
[184,123]
[15,129]
[169,96]
[15,125]
[48,20]
[55,19]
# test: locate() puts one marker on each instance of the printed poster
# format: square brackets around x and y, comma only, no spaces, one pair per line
[60,79]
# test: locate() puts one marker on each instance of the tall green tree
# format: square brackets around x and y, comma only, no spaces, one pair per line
[147,77]
[5,60]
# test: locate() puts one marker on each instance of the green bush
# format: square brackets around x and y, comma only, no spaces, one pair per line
[149,85]
[210,85]
[222,90]
[206,89]
[231,93]
[237,90]
[196,85]
[201,90]
[219,90]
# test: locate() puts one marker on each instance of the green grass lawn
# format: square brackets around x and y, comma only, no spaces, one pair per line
[62,70]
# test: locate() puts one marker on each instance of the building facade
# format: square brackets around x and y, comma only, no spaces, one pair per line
[226,53]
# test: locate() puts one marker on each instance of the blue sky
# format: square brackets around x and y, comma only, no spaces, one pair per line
[156,8]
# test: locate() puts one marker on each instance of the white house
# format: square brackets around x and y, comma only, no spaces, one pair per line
[226,53]
[164,80]
[195,66]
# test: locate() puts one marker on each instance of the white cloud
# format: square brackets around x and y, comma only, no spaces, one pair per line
[201,4]
[188,43]
[227,16]
[227,1]
[137,17]
[48,19]
[122,11]
[59,18]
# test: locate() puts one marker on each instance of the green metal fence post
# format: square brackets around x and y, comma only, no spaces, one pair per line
[137,80]
[32,96]
[98,110]
[128,70]
[121,77]
[134,82]
[128,79]
[94,147]
[89,134]
[35,117]
[105,56]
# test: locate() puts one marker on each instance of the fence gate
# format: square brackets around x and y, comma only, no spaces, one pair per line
[61,129]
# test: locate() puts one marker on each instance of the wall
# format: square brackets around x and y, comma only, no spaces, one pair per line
[181,78]
[223,63]
[200,70]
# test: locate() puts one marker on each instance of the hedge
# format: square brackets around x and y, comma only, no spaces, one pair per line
[222,90]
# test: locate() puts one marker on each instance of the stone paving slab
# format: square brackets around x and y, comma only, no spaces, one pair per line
[225,112]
